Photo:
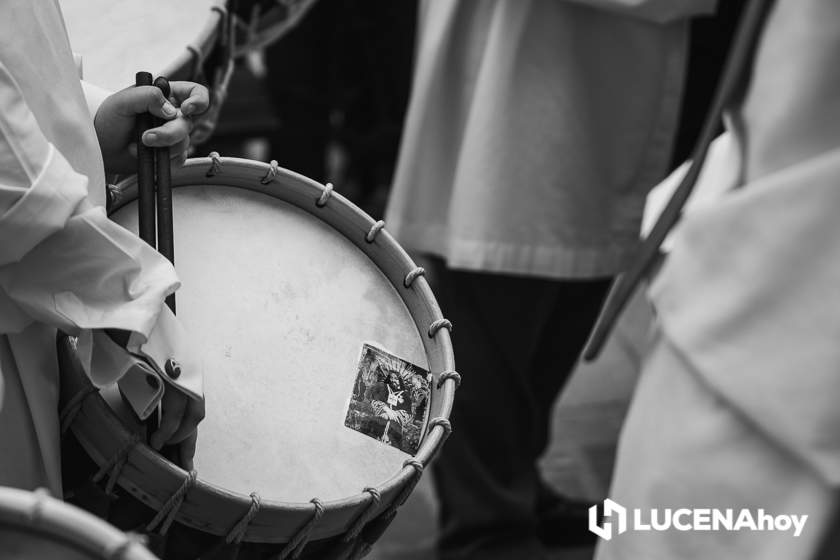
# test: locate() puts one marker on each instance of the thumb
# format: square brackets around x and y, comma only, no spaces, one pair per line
[142,99]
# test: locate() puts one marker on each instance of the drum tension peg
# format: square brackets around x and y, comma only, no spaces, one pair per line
[451,374]
[439,324]
[374,231]
[325,196]
[273,170]
[413,275]
[215,164]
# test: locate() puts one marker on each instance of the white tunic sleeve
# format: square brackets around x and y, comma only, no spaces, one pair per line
[65,264]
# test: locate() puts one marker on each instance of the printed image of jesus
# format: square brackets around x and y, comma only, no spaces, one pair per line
[389,399]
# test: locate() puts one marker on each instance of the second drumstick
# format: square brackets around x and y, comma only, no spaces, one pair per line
[165,233]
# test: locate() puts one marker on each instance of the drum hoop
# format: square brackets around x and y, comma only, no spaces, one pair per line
[180,68]
[103,436]
[69,525]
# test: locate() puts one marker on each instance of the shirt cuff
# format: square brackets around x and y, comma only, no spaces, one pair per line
[105,362]
[168,341]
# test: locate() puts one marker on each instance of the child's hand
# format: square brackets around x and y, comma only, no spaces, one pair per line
[179,419]
[116,117]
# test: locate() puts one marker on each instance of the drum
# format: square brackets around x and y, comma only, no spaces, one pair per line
[329,373]
[34,526]
[185,40]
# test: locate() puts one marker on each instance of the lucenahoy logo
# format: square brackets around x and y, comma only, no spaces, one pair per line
[617,519]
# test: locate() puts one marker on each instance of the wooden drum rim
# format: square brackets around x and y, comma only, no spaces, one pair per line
[182,68]
[208,507]
[38,512]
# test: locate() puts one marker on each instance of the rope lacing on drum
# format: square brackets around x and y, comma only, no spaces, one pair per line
[447,431]
[325,196]
[366,515]
[413,275]
[451,374]
[238,531]
[116,463]
[298,542]
[272,172]
[215,164]
[170,509]
[439,324]
[74,406]
[361,547]
[408,488]
[374,231]
[443,423]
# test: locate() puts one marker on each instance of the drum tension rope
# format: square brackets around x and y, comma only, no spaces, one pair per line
[170,509]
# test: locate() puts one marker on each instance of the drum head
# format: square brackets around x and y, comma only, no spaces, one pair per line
[279,306]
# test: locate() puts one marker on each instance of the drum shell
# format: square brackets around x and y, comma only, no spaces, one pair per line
[151,480]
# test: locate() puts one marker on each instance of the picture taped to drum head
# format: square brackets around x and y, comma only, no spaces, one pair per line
[390,400]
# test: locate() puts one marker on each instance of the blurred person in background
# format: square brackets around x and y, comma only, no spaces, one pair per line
[338,84]
[736,406]
[534,129]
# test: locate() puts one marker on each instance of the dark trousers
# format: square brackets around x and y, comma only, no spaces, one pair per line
[516,341]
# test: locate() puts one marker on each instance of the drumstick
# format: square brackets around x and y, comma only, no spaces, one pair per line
[166,242]
[146,199]
[165,235]
[145,172]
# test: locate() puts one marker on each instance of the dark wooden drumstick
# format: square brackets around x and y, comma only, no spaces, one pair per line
[165,235]
[165,240]
[145,172]
[146,198]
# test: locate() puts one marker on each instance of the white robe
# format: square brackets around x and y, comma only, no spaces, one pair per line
[737,404]
[63,264]
[535,129]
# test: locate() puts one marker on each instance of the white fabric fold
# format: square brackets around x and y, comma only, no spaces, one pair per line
[751,296]
[42,209]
